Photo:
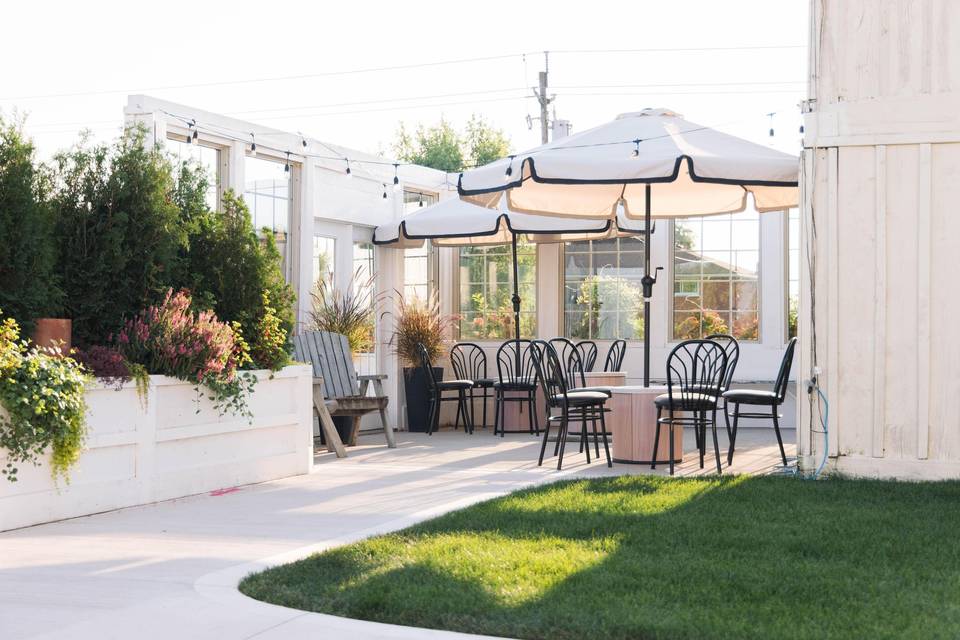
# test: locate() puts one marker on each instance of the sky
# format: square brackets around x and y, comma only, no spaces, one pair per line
[350,73]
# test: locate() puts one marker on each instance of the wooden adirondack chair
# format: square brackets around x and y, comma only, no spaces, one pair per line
[337,389]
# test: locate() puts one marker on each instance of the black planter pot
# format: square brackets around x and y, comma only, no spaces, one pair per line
[418,396]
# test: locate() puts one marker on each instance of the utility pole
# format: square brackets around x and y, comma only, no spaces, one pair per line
[544,100]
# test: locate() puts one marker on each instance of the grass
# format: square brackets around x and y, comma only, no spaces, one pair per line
[650,557]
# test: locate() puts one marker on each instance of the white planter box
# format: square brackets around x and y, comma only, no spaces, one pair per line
[169,450]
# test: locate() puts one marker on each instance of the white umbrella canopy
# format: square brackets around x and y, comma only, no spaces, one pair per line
[454,222]
[692,170]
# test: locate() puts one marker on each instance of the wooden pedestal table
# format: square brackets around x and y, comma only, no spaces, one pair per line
[605,378]
[633,423]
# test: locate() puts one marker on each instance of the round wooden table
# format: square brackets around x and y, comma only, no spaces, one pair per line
[632,421]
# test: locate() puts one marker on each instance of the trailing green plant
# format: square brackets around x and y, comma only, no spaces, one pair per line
[118,229]
[43,395]
[418,322]
[237,274]
[29,288]
[350,312]
[172,339]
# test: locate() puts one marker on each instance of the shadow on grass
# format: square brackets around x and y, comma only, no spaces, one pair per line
[649,557]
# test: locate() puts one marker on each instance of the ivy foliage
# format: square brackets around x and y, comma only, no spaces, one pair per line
[29,288]
[44,405]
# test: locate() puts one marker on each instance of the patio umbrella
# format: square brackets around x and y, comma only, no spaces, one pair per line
[457,223]
[653,164]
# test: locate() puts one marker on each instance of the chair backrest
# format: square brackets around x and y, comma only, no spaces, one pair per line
[515,362]
[427,367]
[570,356]
[469,361]
[615,354]
[695,367]
[551,373]
[588,353]
[732,349]
[783,377]
[329,354]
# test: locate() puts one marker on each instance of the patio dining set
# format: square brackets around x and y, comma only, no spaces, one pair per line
[699,375]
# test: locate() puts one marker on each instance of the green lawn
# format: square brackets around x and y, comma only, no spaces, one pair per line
[651,557]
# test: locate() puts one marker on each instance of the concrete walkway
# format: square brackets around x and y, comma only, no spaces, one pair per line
[170,570]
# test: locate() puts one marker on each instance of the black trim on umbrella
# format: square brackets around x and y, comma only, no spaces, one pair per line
[648,180]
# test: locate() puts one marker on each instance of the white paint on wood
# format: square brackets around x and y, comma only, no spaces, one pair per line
[880,302]
[136,455]
[923,302]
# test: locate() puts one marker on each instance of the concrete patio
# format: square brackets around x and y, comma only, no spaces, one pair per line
[169,570]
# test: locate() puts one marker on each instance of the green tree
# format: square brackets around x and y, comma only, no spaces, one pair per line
[442,147]
[118,231]
[28,284]
[231,270]
[438,147]
[484,143]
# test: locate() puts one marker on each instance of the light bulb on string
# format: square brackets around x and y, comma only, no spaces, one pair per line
[421,199]
[190,131]
[509,171]
[636,148]
[384,192]
[801,129]
[771,123]
[286,167]
[303,140]
[253,146]
[396,177]
[349,173]
[196,132]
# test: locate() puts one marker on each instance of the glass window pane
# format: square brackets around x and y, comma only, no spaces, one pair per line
[486,289]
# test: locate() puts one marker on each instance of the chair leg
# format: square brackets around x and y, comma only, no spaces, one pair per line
[430,415]
[503,414]
[535,414]
[776,429]
[726,417]
[530,402]
[716,445]
[671,443]
[584,438]
[733,434]
[543,447]
[562,438]
[656,440]
[496,411]
[485,398]
[701,425]
[596,440]
[606,446]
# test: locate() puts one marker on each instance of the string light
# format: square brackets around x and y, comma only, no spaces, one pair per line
[421,199]
[636,148]
[801,129]
[191,133]
[384,192]
[396,178]
[253,146]
[509,171]
[286,167]
[771,123]
[303,140]
[349,173]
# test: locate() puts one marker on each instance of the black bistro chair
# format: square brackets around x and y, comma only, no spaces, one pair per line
[615,354]
[517,375]
[695,370]
[761,398]
[437,387]
[732,348]
[588,353]
[574,405]
[470,363]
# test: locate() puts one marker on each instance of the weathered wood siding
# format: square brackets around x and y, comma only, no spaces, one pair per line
[882,185]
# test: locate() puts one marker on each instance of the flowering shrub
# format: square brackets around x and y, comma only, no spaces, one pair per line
[42,394]
[171,339]
[108,365]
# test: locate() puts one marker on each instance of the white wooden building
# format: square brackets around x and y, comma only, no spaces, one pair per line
[328,218]
[881,171]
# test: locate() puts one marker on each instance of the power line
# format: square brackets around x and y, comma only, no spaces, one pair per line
[402,67]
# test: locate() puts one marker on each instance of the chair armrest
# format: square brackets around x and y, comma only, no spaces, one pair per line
[373,376]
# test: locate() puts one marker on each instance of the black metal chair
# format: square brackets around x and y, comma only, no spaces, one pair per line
[615,354]
[695,371]
[470,363]
[517,376]
[570,357]
[761,398]
[574,405]
[732,348]
[437,387]
[588,353]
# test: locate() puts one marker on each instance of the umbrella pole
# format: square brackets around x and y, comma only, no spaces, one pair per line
[647,282]
[516,300]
